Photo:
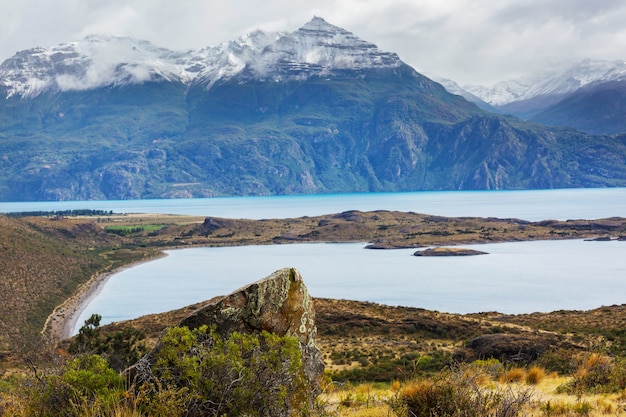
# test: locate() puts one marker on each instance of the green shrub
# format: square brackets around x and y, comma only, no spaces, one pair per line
[194,373]
[121,349]
[87,383]
[558,360]
[252,375]
[491,367]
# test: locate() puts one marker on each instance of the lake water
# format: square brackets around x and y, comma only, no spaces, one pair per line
[520,277]
[514,278]
[560,204]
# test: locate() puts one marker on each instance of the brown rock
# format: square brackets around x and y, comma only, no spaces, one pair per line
[279,303]
[512,347]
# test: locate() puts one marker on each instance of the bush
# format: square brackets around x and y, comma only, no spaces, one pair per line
[194,373]
[535,375]
[122,348]
[513,375]
[87,383]
[458,393]
[205,374]
[558,360]
[492,368]
[597,373]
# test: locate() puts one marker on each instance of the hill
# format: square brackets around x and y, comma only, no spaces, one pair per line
[43,262]
[40,269]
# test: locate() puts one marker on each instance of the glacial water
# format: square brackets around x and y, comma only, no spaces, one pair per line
[560,204]
[520,277]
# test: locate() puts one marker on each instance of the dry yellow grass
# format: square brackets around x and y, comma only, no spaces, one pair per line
[513,375]
[535,375]
[546,402]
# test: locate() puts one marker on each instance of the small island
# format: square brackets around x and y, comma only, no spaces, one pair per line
[446,251]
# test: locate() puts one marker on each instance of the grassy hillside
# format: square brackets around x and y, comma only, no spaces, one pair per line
[44,259]
[39,270]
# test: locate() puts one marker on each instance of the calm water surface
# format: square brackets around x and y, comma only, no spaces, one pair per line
[519,277]
[561,204]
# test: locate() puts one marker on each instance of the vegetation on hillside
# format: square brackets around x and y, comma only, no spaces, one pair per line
[380,360]
[369,130]
[195,373]
[199,373]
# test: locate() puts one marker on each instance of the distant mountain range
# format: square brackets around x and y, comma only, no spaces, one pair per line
[317,110]
[589,96]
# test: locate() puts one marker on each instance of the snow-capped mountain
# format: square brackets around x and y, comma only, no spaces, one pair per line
[454,88]
[550,83]
[317,110]
[320,47]
[588,96]
[96,61]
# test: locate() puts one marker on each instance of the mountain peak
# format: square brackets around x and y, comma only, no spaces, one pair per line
[101,60]
[320,47]
[318,24]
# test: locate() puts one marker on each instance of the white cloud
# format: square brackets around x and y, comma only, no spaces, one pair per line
[470,41]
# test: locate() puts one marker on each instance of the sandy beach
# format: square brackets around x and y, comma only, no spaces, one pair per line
[60,324]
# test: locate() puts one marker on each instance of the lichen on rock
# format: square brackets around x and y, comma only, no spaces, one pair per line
[279,304]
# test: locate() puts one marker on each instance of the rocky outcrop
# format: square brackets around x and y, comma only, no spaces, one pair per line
[511,347]
[279,304]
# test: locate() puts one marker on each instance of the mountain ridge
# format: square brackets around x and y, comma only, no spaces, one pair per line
[102,60]
[317,110]
[587,96]
[556,82]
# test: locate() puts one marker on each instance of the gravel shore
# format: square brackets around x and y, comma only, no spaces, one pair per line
[60,324]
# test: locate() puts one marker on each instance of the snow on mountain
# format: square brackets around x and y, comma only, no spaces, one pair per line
[321,46]
[453,88]
[551,83]
[316,48]
[94,62]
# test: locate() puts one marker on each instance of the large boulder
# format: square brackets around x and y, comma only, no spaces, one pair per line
[279,304]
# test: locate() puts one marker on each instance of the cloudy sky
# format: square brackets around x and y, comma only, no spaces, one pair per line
[469,41]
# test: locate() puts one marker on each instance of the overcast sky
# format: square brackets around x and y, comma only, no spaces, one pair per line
[469,41]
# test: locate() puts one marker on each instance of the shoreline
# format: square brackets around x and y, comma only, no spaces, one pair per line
[63,319]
